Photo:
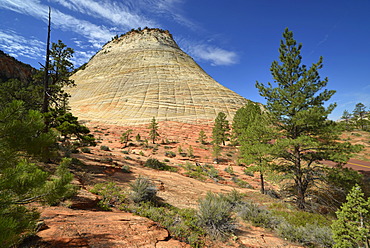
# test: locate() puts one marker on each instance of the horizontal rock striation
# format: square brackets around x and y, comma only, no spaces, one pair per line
[144,74]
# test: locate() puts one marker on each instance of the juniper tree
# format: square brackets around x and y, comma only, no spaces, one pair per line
[296,103]
[220,129]
[352,227]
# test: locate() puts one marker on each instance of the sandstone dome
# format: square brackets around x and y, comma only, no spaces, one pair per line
[144,74]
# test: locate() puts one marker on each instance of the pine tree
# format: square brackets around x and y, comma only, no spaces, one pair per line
[126,137]
[242,119]
[202,137]
[153,130]
[359,114]
[296,104]
[21,181]
[220,130]
[346,116]
[352,227]
[255,141]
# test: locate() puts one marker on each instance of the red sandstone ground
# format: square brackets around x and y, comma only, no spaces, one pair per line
[84,226]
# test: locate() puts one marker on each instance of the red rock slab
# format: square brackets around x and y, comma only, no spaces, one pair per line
[82,228]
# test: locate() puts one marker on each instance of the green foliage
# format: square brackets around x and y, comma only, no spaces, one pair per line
[190,152]
[143,190]
[352,228]
[104,148]
[229,170]
[69,127]
[170,154]
[85,150]
[126,169]
[158,165]
[138,137]
[112,195]
[220,131]
[359,115]
[254,136]
[215,216]
[202,137]
[216,151]
[182,224]
[296,104]
[153,130]
[126,136]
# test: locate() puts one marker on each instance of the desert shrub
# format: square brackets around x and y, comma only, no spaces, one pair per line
[301,218]
[229,170]
[106,160]
[142,190]
[194,171]
[241,183]
[104,148]
[170,154]
[85,150]
[215,216]
[248,173]
[126,169]
[125,152]
[234,198]
[258,216]
[182,224]
[158,165]
[111,193]
[166,160]
[141,153]
[308,235]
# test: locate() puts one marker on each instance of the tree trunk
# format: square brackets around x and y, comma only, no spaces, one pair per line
[262,183]
[45,106]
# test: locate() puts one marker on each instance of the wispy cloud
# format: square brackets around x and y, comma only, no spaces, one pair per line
[17,45]
[111,12]
[94,33]
[215,55]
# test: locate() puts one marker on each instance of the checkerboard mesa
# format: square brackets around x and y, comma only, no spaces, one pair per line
[144,74]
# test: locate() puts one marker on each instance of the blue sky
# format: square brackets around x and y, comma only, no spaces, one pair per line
[235,41]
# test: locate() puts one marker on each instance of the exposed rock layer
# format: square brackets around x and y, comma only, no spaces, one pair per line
[144,74]
[10,68]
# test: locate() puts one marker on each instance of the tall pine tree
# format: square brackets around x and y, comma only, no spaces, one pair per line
[220,131]
[296,102]
[255,139]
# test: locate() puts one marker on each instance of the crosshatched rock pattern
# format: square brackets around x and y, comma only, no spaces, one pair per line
[144,74]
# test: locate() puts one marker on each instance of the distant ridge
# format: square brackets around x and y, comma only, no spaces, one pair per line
[144,74]
[11,68]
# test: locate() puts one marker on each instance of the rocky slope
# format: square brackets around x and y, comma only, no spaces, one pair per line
[144,74]
[12,68]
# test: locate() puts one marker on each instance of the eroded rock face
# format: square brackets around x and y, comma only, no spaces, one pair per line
[144,74]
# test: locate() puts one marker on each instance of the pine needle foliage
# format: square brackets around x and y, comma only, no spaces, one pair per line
[352,228]
[296,103]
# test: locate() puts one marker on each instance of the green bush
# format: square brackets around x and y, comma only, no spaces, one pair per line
[229,170]
[125,152]
[85,150]
[258,216]
[215,216]
[158,165]
[143,190]
[104,148]
[111,193]
[170,154]
[126,169]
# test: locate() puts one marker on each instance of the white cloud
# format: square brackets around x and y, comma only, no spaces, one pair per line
[81,57]
[113,12]
[17,45]
[215,55]
[97,35]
